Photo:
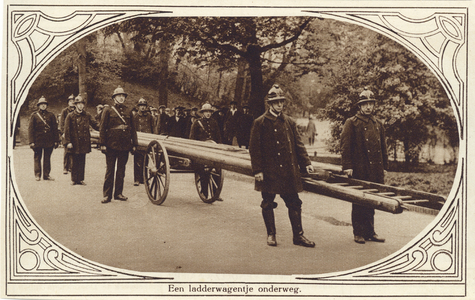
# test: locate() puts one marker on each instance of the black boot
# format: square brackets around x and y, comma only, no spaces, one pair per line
[296,222]
[268,215]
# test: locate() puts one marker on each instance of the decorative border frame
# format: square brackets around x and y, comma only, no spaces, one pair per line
[435,264]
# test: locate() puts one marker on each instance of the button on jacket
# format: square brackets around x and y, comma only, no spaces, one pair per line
[115,133]
[77,132]
[364,149]
[43,135]
[277,150]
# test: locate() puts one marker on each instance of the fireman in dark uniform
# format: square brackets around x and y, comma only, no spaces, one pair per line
[278,156]
[143,122]
[205,129]
[77,139]
[43,137]
[364,156]
[117,137]
[67,160]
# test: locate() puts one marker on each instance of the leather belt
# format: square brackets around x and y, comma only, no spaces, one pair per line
[121,127]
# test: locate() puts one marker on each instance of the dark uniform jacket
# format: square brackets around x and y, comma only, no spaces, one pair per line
[231,123]
[163,123]
[277,150]
[189,122]
[64,113]
[77,132]
[144,122]
[97,117]
[43,135]
[363,148]
[204,129]
[218,116]
[244,124]
[114,132]
[177,128]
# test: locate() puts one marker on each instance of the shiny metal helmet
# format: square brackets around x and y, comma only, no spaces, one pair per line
[366,96]
[78,99]
[119,91]
[42,100]
[275,94]
[206,107]
[142,101]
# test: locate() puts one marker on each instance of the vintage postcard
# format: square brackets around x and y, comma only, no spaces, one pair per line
[237,149]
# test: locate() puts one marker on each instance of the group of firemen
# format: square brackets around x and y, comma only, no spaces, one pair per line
[222,125]
[278,155]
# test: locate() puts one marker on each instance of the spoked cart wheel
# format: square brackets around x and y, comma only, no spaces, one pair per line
[156,172]
[208,182]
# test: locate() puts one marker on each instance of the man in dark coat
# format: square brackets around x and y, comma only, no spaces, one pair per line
[164,113]
[117,136]
[231,125]
[177,123]
[43,136]
[143,122]
[311,131]
[218,115]
[364,156]
[67,159]
[244,127]
[277,156]
[77,139]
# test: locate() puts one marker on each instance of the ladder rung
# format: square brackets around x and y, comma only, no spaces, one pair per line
[370,190]
[387,194]
[356,187]
[416,201]
[403,197]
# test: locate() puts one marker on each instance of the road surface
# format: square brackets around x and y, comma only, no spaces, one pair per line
[186,235]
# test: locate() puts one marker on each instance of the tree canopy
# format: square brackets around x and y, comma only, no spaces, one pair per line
[321,64]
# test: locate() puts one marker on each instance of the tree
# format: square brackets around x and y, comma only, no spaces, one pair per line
[147,61]
[410,98]
[247,38]
[82,65]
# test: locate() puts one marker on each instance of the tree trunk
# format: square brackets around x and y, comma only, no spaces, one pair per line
[163,78]
[256,101]
[81,46]
[247,87]
[220,77]
[239,87]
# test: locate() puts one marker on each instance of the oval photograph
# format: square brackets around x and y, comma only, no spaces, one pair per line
[236,145]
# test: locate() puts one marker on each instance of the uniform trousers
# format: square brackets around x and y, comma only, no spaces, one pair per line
[78,167]
[138,166]
[46,153]
[292,201]
[112,157]
[67,160]
[362,218]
